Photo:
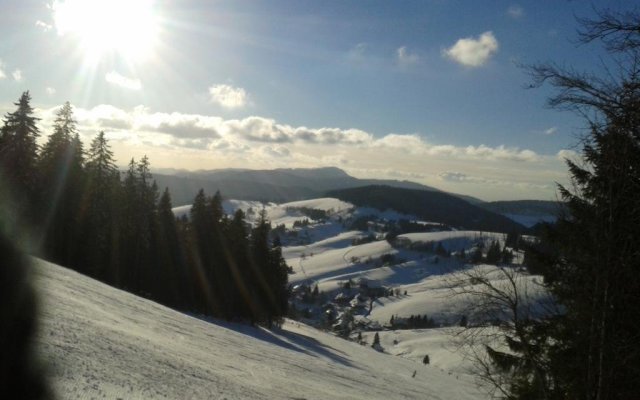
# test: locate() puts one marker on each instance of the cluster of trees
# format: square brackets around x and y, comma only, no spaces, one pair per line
[413,322]
[85,214]
[587,347]
[314,214]
[495,254]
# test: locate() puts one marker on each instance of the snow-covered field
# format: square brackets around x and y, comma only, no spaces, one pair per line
[100,342]
[414,344]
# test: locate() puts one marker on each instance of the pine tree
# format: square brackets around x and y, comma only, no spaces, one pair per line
[18,158]
[376,341]
[139,205]
[100,222]
[169,276]
[61,165]
[243,299]
[590,258]
[494,253]
[270,272]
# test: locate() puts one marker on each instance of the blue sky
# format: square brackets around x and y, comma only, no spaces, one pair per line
[428,91]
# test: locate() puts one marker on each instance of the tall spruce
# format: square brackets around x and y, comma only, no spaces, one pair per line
[243,300]
[270,273]
[168,275]
[100,209]
[62,180]
[201,255]
[139,203]
[18,158]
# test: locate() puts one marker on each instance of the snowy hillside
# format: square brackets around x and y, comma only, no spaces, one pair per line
[100,342]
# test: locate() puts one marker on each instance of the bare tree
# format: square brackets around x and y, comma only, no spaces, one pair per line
[505,308]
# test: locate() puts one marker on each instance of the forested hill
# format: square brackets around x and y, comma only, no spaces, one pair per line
[277,185]
[430,206]
[525,207]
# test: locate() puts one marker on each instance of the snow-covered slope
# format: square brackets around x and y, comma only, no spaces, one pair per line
[100,342]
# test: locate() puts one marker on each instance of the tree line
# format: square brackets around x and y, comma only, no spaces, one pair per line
[83,213]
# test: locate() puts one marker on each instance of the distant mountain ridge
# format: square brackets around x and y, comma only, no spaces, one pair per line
[525,207]
[528,212]
[277,185]
[430,206]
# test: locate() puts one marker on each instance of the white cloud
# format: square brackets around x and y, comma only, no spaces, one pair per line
[2,73]
[472,52]
[50,91]
[500,153]
[258,129]
[44,26]
[184,126]
[515,11]
[228,96]
[119,80]
[551,131]
[405,58]
[17,75]
[416,145]
[565,154]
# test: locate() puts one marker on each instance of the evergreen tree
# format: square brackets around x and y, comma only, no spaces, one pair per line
[100,222]
[18,157]
[243,300]
[590,257]
[127,242]
[139,205]
[494,254]
[376,341]
[270,273]
[169,275]
[202,255]
[61,165]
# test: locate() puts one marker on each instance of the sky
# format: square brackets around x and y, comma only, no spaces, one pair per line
[431,91]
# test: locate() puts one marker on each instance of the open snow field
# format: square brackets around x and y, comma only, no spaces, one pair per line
[100,342]
[414,344]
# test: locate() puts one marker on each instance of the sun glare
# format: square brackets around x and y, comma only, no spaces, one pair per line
[127,28]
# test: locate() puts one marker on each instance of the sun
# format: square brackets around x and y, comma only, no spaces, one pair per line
[127,28]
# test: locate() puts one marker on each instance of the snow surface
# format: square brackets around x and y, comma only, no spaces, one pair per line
[414,344]
[101,342]
[328,204]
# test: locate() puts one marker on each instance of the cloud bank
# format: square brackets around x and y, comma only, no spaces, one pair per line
[195,141]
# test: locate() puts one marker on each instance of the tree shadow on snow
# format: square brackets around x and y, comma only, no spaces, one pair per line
[293,341]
